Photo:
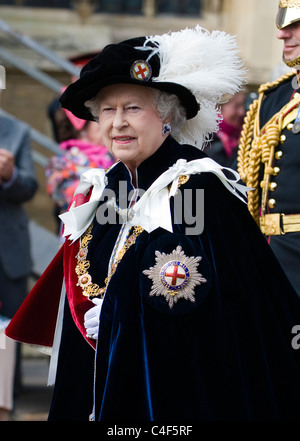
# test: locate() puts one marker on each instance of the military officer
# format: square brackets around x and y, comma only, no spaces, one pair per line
[269,154]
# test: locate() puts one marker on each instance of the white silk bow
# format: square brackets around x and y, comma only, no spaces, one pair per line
[152,210]
[77,219]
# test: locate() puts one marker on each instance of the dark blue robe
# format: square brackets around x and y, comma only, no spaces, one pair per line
[227,356]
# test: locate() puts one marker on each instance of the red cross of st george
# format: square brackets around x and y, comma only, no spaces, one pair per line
[141,71]
[175,275]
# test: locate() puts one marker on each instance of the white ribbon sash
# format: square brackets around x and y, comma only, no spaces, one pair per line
[153,209]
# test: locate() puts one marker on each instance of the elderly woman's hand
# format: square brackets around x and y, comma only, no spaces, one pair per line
[91,319]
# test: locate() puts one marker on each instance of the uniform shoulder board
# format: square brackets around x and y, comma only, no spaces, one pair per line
[266,87]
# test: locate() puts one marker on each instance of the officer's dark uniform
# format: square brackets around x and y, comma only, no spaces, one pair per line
[273,169]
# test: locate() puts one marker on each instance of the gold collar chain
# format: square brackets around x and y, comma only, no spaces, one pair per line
[90,289]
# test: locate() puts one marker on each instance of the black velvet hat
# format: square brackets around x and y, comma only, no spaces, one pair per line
[122,63]
[197,66]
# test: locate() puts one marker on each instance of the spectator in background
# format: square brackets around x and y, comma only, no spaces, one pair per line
[224,145]
[65,127]
[78,155]
[81,146]
[18,184]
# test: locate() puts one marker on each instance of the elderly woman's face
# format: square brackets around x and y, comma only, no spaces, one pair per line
[129,123]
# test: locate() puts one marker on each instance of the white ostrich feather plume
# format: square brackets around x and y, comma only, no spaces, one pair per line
[207,64]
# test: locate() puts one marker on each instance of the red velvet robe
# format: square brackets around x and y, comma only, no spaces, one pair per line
[35,321]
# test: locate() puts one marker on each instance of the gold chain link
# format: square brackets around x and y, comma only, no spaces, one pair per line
[90,289]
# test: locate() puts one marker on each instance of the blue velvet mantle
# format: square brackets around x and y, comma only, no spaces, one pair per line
[225,357]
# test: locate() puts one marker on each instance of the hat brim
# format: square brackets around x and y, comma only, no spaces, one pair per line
[75,96]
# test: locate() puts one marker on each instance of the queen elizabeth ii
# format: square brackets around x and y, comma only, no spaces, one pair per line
[169,307]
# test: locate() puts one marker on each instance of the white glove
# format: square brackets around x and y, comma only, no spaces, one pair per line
[91,319]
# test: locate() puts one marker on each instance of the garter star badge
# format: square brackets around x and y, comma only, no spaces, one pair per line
[141,70]
[175,276]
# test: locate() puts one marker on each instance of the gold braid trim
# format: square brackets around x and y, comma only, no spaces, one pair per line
[289,4]
[279,80]
[257,147]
